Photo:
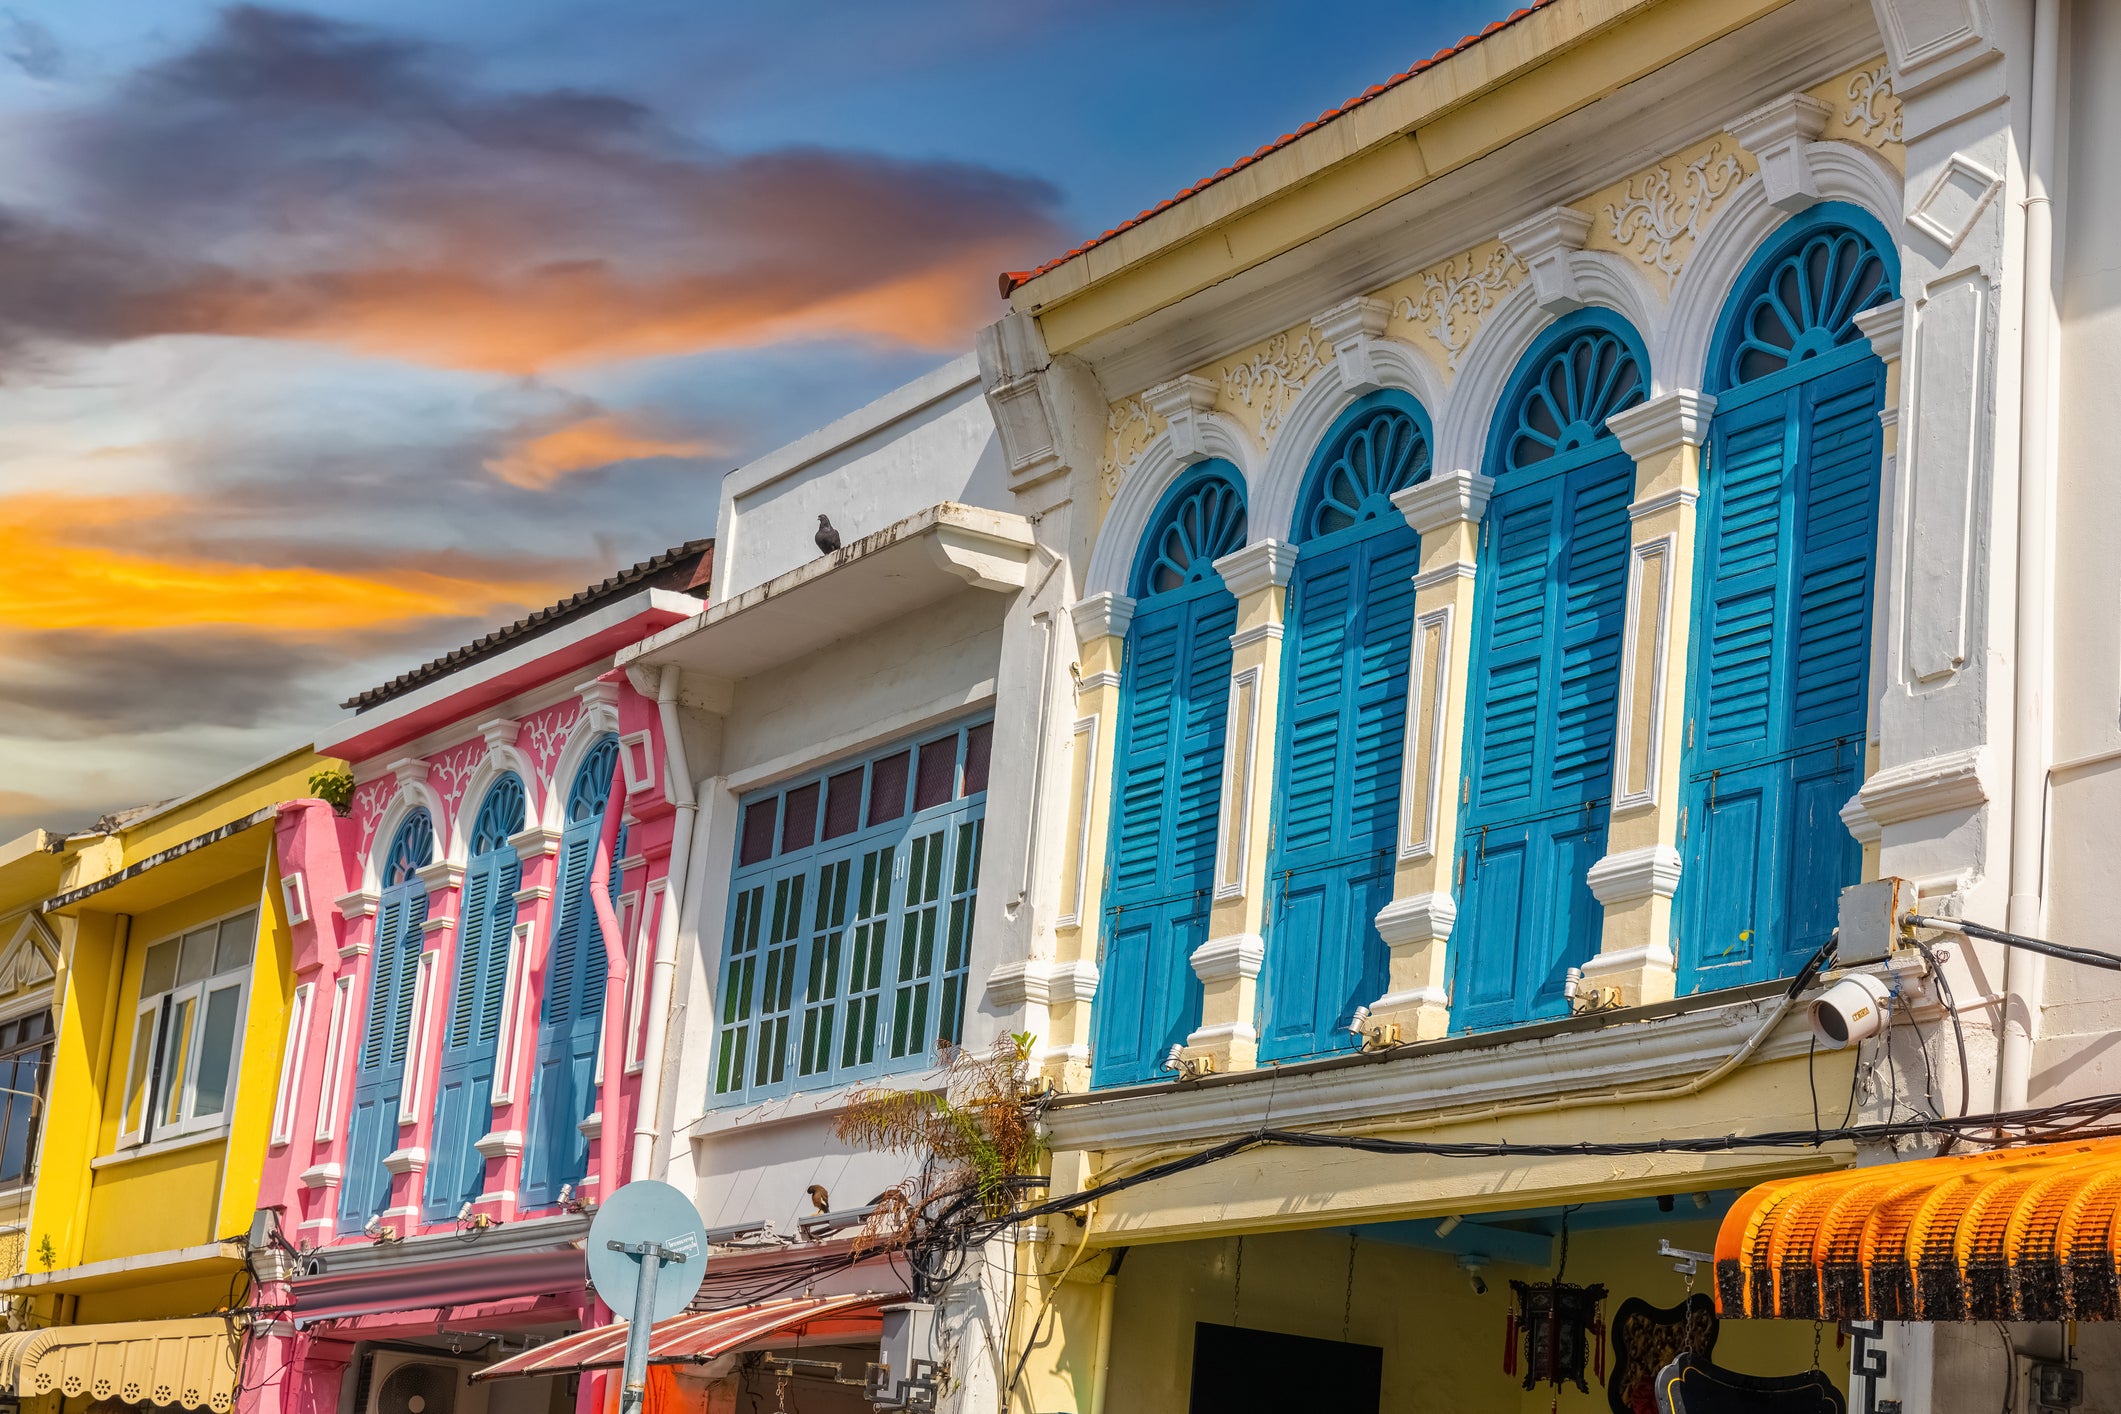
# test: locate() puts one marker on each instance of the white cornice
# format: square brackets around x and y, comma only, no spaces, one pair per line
[1236,956]
[1041,983]
[1424,1081]
[1102,615]
[1885,326]
[1420,919]
[1935,785]
[1446,498]
[1263,564]
[1635,874]
[1664,423]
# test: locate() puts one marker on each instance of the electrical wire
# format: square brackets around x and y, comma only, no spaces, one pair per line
[2064,951]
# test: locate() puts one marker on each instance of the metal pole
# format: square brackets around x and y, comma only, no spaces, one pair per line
[633,1390]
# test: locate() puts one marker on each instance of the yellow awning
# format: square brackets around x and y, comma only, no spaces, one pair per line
[191,1362]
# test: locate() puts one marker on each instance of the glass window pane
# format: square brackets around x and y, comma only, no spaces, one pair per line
[979,743]
[15,1135]
[197,961]
[937,776]
[142,1067]
[887,787]
[759,819]
[232,951]
[843,803]
[799,819]
[217,1043]
[176,1061]
[160,972]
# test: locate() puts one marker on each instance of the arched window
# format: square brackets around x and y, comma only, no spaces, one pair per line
[1347,634]
[486,920]
[1546,658]
[1784,588]
[386,1037]
[1174,700]
[570,1023]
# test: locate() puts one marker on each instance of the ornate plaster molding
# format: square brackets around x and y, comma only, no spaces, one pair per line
[1101,615]
[1663,424]
[1635,874]
[1446,498]
[1238,956]
[1263,564]
[1780,135]
[1421,918]
[1545,243]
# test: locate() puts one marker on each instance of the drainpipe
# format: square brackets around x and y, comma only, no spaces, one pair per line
[1101,1372]
[679,772]
[614,986]
[2025,971]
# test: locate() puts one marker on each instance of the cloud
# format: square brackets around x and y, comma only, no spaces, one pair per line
[75,686]
[31,47]
[534,460]
[69,567]
[295,177]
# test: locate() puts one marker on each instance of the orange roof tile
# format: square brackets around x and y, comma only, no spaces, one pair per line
[1011,279]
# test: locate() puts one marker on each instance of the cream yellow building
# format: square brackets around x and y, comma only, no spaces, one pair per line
[1503,609]
[171,999]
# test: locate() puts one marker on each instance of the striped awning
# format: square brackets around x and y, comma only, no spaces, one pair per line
[191,1362]
[2026,1234]
[695,1338]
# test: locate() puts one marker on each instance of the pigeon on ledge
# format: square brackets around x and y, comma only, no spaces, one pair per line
[828,539]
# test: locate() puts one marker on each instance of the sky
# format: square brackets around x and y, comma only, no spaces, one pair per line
[333,335]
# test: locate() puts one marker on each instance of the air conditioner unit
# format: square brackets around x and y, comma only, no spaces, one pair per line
[399,1382]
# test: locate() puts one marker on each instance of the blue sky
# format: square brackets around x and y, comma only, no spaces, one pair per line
[332,334]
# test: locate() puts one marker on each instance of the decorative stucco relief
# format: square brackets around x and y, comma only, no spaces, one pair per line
[368,803]
[451,772]
[546,735]
[1259,386]
[1130,426]
[1866,110]
[1444,304]
[1660,213]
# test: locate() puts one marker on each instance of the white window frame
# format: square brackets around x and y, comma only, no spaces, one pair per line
[154,1010]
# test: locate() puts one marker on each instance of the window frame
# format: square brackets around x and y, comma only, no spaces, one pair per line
[42,1050]
[736,1075]
[152,1014]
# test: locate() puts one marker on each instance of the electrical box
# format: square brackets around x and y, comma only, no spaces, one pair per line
[2057,1387]
[1870,920]
[907,1374]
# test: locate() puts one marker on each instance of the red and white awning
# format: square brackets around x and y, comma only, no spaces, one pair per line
[697,1338]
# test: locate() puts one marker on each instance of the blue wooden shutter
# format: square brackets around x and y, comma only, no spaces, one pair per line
[379,1068]
[571,1013]
[486,916]
[1779,687]
[1547,642]
[1173,715]
[1350,630]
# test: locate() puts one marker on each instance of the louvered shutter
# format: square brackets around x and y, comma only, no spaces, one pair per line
[1781,676]
[556,1153]
[1547,665]
[1347,640]
[1174,708]
[456,1170]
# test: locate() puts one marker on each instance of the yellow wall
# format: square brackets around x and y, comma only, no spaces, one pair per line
[1443,1345]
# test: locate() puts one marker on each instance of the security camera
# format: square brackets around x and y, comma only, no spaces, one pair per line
[1853,1009]
[1473,1264]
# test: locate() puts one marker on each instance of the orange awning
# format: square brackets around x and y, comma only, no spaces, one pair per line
[2026,1234]
[697,1338]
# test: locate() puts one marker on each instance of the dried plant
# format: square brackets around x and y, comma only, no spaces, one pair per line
[972,1138]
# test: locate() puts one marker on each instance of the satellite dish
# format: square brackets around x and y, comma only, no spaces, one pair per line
[640,1213]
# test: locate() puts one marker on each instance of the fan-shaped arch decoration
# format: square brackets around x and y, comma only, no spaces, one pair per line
[1383,451]
[1806,303]
[500,815]
[412,848]
[1562,405]
[592,781]
[1203,520]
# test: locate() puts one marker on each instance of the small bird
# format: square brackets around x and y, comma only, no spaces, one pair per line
[828,539]
[819,1198]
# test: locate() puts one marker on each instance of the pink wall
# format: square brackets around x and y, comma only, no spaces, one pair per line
[339,859]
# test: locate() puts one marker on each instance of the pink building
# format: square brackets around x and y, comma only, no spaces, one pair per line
[475,952]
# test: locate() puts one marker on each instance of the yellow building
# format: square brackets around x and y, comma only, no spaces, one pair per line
[31,866]
[172,993]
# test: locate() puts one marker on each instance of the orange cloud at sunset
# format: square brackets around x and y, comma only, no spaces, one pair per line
[536,462]
[69,568]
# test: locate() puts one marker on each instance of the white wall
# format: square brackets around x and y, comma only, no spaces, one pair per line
[932,440]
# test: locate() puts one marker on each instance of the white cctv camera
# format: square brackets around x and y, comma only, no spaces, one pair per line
[1853,1009]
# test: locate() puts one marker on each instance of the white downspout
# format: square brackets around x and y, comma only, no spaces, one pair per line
[2024,972]
[661,978]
